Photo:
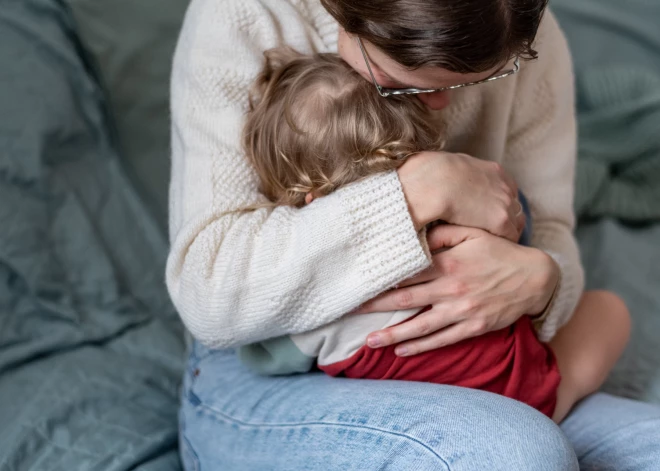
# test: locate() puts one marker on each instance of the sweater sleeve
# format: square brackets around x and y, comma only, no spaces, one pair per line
[541,157]
[242,278]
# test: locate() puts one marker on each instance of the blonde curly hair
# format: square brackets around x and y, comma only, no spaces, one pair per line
[314,124]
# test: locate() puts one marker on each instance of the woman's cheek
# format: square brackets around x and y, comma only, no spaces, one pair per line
[435,101]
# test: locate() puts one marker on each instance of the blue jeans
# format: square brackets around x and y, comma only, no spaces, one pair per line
[231,419]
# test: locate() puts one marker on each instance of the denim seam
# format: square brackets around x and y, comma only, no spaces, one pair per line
[189,448]
[219,414]
[191,451]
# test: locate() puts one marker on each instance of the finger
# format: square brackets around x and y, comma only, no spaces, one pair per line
[422,325]
[449,235]
[520,218]
[516,221]
[500,217]
[419,295]
[509,230]
[442,338]
[433,272]
[512,232]
[423,276]
[510,183]
[521,221]
[516,230]
[520,225]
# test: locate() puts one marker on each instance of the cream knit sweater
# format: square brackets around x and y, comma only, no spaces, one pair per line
[237,279]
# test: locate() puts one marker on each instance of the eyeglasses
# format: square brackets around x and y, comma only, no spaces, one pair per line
[385,92]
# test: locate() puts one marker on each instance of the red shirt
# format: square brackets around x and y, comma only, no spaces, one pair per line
[512,362]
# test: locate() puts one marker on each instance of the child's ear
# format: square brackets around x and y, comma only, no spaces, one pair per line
[312,195]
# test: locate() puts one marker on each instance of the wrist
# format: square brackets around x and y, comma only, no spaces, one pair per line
[424,206]
[416,206]
[546,283]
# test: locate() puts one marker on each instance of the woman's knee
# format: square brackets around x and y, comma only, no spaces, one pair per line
[541,445]
[517,437]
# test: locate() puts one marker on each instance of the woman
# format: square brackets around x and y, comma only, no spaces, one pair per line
[237,279]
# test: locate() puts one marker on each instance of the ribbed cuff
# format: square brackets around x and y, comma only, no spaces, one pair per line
[384,236]
[538,320]
[562,304]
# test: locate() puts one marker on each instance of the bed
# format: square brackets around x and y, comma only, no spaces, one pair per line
[91,349]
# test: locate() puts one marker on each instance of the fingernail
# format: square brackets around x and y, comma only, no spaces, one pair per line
[374,341]
[401,351]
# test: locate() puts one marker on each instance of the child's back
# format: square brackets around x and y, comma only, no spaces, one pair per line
[316,125]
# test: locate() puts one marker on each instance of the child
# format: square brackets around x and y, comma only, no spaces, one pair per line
[315,125]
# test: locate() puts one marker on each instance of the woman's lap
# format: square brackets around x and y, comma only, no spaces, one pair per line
[232,419]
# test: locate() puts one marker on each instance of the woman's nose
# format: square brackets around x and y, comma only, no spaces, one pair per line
[435,101]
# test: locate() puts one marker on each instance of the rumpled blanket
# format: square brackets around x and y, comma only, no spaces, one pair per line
[616,51]
[91,350]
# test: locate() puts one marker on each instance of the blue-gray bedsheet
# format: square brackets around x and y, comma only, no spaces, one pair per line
[616,55]
[91,349]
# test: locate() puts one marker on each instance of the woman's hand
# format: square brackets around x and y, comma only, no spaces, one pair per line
[477,283]
[461,190]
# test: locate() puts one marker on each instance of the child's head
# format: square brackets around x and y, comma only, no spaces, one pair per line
[314,125]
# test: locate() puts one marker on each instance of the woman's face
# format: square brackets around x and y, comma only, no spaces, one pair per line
[390,74]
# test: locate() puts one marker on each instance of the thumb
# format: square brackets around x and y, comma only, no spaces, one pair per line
[449,235]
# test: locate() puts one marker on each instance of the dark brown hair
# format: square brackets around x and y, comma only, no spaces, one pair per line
[458,35]
[314,124]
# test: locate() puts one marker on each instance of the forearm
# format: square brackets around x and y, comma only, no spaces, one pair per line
[558,241]
[240,279]
[235,277]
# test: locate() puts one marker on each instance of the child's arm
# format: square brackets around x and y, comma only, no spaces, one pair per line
[240,278]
